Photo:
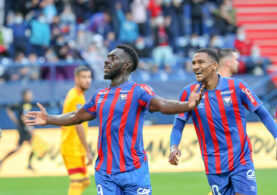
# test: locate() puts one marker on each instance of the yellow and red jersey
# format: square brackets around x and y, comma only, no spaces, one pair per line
[70,142]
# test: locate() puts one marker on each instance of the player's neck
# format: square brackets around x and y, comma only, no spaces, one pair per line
[79,89]
[211,83]
[224,73]
[119,80]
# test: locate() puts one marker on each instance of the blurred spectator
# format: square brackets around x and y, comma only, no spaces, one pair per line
[196,16]
[216,42]
[19,29]
[111,41]
[225,18]
[162,52]
[100,23]
[242,44]
[255,64]
[95,56]
[67,24]
[193,45]
[82,10]
[142,49]
[155,10]
[128,30]
[49,10]
[40,35]
[34,71]
[139,12]
[178,16]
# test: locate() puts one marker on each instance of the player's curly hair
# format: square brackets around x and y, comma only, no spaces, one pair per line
[132,53]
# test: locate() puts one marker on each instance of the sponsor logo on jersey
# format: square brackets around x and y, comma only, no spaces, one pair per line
[145,191]
[250,175]
[147,89]
[249,94]
[226,92]
[227,100]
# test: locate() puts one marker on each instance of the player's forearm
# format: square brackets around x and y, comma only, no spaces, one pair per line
[267,120]
[177,131]
[174,107]
[81,133]
[67,119]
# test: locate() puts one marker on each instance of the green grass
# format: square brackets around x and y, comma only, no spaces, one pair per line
[162,183]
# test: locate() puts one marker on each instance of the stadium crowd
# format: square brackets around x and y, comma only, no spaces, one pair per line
[40,33]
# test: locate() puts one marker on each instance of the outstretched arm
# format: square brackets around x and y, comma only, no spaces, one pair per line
[175,107]
[268,122]
[42,118]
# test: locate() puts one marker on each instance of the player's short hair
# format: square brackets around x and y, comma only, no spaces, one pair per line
[23,93]
[79,69]
[222,53]
[211,53]
[132,53]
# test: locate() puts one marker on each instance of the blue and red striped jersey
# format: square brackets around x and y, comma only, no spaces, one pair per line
[220,124]
[120,113]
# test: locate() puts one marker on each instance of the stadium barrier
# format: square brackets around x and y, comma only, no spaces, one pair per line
[48,161]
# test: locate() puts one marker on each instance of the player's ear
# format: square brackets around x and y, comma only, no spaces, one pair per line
[215,66]
[128,66]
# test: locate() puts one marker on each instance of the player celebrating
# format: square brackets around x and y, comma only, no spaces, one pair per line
[74,148]
[25,133]
[220,124]
[228,62]
[121,166]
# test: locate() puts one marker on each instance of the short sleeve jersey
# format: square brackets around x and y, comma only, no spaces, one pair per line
[120,113]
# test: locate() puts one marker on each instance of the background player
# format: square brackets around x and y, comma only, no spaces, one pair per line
[228,62]
[25,132]
[121,166]
[74,148]
[220,125]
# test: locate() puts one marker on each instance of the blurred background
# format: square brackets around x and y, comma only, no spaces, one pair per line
[42,41]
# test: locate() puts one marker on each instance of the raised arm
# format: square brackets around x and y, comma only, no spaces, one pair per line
[175,107]
[42,118]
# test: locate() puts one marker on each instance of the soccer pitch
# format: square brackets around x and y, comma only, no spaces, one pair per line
[162,184]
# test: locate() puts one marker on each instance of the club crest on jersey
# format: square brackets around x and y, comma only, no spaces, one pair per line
[227,100]
[122,97]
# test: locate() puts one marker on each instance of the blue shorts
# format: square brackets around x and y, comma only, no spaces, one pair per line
[241,180]
[134,182]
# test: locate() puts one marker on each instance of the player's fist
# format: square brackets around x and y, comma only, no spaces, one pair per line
[174,156]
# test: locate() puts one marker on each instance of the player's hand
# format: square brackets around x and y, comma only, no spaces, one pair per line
[37,117]
[195,98]
[89,157]
[174,156]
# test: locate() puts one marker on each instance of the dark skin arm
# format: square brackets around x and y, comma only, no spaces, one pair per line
[42,118]
[159,104]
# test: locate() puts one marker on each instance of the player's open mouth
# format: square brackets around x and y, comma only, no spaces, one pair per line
[198,73]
